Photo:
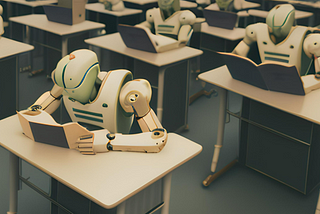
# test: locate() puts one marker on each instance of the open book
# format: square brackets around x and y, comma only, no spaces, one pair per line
[42,128]
[222,19]
[142,39]
[273,76]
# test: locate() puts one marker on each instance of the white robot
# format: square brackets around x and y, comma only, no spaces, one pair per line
[224,5]
[109,100]
[170,21]
[113,5]
[279,41]
[1,22]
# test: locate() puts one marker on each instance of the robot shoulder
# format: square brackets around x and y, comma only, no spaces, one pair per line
[252,30]
[187,17]
[150,14]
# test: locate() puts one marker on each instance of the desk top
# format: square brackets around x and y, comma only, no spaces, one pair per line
[187,4]
[32,3]
[306,107]
[99,7]
[113,42]
[105,178]
[41,22]
[263,14]
[9,47]
[235,34]
[141,2]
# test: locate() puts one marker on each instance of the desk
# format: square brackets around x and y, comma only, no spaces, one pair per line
[9,69]
[23,7]
[214,39]
[96,12]
[298,15]
[143,5]
[279,132]
[56,35]
[115,177]
[171,93]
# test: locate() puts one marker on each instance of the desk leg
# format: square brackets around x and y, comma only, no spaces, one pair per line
[166,193]
[160,93]
[121,209]
[221,121]
[64,47]
[14,183]
[318,206]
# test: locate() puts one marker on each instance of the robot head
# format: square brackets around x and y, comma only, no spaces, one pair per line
[77,74]
[280,20]
[169,7]
[226,5]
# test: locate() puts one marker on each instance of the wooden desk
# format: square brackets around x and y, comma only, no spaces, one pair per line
[56,36]
[171,93]
[97,13]
[108,179]
[9,69]
[279,131]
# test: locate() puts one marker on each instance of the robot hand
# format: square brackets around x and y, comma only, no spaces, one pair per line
[104,141]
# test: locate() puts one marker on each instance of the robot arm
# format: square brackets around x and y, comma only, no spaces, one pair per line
[149,23]
[1,22]
[187,19]
[113,5]
[134,98]
[243,47]
[48,101]
[104,141]
[311,47]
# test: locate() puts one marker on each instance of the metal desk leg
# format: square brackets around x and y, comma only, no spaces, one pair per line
[166,193]
[160,93]
[64,47]
[318,206]
[14,183]
[221,121]
[121,209]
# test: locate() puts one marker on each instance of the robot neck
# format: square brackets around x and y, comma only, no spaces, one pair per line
[166,13]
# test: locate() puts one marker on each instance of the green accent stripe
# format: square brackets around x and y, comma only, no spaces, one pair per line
[276,59]
[89,118]
[277,54]
[169,26]
[87,112]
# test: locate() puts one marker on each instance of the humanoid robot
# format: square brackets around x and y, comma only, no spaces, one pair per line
[224,5]
[113,5]
[170,21]
[1,22]
[279,41]
[108,100]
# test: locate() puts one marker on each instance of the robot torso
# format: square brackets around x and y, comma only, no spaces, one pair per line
[169,27]
[288,51]
[105,110]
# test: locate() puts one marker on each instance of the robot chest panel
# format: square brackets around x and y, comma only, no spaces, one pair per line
[288,51]
[168,26]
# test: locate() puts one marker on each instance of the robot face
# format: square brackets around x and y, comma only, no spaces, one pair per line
[280,20]
[167,5]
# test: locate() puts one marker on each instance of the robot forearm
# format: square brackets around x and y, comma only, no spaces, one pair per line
[49,101]
[103,141]
[241,49]
[184,34]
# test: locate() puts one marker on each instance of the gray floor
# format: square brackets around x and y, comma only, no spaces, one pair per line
[240,190]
